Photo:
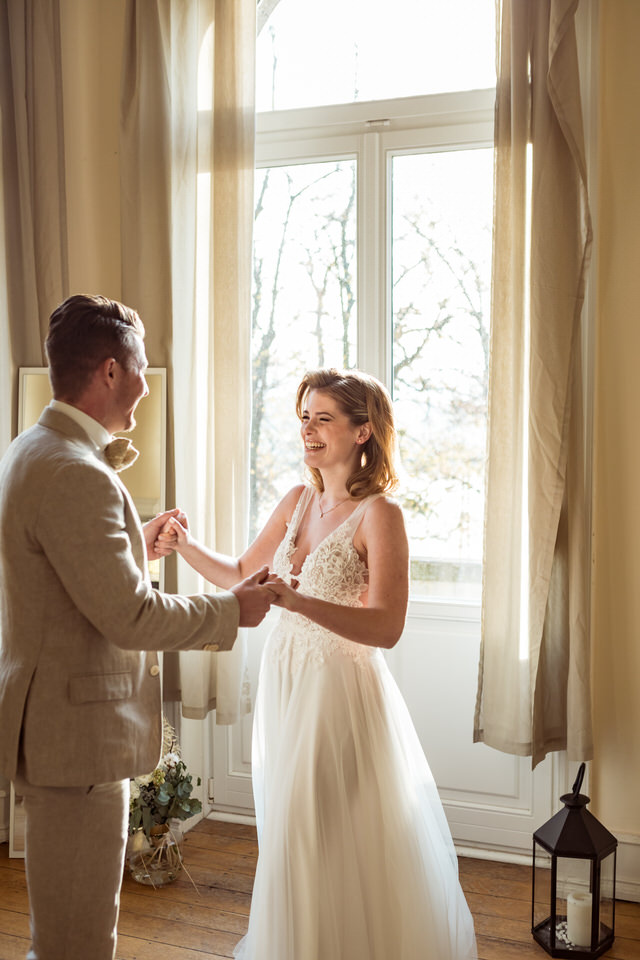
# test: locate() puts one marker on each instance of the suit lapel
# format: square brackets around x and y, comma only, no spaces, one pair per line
[72,431]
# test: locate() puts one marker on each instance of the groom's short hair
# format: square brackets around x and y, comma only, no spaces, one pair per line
[83,332]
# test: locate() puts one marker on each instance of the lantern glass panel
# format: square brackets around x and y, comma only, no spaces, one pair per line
[541,885]
[607,870]
[574,902]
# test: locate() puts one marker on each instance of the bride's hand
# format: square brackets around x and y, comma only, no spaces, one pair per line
[284,595]
[174,535]
[159,524]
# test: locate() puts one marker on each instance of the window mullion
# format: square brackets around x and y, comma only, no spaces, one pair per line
[374,353]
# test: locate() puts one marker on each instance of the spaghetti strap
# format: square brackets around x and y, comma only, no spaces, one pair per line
[304,500]
[353,521]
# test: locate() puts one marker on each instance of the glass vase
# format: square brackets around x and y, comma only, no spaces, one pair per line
[156,860]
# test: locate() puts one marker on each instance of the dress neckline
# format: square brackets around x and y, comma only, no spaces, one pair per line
[299,513]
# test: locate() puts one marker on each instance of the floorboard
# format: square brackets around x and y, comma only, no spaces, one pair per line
[179,922]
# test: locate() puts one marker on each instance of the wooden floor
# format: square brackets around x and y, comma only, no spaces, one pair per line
[176,923]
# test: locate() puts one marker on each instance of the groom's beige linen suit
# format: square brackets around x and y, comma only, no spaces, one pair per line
[77,609]
[80,700]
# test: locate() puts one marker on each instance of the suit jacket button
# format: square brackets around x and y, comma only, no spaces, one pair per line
[211,647]
[154,670]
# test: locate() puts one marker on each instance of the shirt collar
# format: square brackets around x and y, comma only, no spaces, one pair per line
[99,436]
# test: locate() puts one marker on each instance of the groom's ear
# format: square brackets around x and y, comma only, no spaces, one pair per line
[106,372]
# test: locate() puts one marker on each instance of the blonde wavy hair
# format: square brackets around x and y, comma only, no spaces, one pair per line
[363,399]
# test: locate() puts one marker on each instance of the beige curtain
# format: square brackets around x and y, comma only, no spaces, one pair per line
[34,276]
[33,250]
[534,686]
[187,147]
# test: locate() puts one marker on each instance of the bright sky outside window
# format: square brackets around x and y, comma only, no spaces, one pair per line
[441,256]
[338,51]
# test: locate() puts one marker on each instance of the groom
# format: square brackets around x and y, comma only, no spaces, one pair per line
[80,700]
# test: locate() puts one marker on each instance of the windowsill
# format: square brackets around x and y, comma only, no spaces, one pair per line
[427,608]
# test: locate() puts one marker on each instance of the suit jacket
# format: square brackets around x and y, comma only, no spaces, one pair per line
[79,678]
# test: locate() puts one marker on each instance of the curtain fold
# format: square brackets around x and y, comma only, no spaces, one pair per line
[187,160]
[34,246]
[33,241]
[534,675]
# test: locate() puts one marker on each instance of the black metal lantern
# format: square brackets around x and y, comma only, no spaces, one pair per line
[574,881]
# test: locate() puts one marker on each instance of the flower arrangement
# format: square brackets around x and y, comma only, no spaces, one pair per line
[165,794]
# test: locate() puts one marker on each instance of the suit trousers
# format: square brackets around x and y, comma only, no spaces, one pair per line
[75,842]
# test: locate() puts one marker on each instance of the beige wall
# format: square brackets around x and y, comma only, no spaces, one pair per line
[616,574]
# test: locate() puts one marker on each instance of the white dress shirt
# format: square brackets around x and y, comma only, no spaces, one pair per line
[98,434]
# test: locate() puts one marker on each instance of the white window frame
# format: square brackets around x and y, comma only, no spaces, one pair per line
[374,133]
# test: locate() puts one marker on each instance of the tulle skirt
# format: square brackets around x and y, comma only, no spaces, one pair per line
[356,860]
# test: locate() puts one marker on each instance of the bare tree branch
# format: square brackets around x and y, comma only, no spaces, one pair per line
[263,12]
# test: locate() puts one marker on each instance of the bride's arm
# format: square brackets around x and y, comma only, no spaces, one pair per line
[219,568]
[381,622]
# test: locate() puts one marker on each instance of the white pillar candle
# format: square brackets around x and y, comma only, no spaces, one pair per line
[579,919]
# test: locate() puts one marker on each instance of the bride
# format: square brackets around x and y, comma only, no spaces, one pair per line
[356,860]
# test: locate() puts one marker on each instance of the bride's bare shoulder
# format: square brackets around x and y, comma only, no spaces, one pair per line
[385,506]
[383,516]
[290,500]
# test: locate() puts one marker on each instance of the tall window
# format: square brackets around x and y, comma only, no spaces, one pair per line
[373,248]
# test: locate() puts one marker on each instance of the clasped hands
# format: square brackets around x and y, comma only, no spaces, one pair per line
[169,532]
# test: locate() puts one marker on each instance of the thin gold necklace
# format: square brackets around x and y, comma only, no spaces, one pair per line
[323,513]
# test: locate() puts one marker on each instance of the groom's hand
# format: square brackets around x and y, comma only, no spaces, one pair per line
[254,598]
[152,529]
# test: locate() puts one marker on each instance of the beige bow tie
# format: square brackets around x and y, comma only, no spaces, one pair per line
[120,453]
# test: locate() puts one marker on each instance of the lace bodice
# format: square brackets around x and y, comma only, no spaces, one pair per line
[332,572]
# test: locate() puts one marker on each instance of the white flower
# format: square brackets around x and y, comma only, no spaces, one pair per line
[145,779]
[134,790]
[171,760]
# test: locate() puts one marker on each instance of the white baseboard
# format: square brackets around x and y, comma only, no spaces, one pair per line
[627,863]
[231,817]
[628,867]
[486,853]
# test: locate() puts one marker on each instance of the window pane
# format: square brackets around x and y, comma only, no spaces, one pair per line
[339,51]
[441,263]
[304,308]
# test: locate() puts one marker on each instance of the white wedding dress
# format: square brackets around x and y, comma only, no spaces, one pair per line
[356,860]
